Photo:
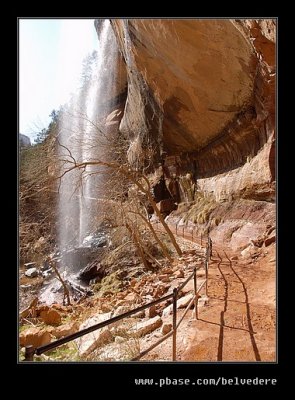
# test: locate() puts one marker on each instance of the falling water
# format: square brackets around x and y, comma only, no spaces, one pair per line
[82,140]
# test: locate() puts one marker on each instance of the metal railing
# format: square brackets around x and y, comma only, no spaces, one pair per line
[183,231]
[30,351]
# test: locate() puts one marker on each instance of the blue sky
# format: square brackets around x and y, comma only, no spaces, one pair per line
[50,60]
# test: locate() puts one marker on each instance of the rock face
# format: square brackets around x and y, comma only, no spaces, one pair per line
[201,105]
[24,141]
[203,80]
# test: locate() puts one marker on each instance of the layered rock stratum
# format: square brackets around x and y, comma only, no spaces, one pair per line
[200,108]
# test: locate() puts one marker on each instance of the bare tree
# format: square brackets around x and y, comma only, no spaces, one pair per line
[137,178]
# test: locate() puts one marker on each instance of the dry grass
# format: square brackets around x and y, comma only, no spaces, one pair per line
[199,212]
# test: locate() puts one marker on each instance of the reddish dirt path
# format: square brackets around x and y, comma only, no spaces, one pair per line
[238,324]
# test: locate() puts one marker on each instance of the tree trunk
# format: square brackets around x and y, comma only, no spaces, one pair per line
[66,290]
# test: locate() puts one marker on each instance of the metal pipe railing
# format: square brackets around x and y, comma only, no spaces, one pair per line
[175,294]
[69,338]
[30,351]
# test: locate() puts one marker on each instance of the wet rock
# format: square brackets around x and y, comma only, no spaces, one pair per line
[93,270]
[35,337]
[31,273]
[25,287]
[47,274]
[30,265]
[45,266]
[146,327]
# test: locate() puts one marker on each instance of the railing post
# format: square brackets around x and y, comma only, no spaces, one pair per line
[192,234]
[196,294]
[183,231]
[175,293]
[206,271]
[176,229]
[29,353]
[201,239]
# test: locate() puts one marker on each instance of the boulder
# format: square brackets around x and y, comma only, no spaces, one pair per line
[247,252]
[167,311]
[25,287]
[39,243]
[179,274]
[92,271]
[203,301]
[35,337]
[140,314]
[166,328]
[160,291]
[121,310]
[183,301]
[30,265]
[164,278]
[87,343]
[145,327]
[167,271]
[270,240]
[31,273]
[65,330]
[151,312]
[130,297]
[50,317]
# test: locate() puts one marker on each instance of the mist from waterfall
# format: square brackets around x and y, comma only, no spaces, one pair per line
[82,139]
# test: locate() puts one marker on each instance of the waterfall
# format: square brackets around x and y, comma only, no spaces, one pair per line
[82,139]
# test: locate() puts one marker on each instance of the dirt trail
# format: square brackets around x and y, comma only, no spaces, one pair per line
[238,323]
